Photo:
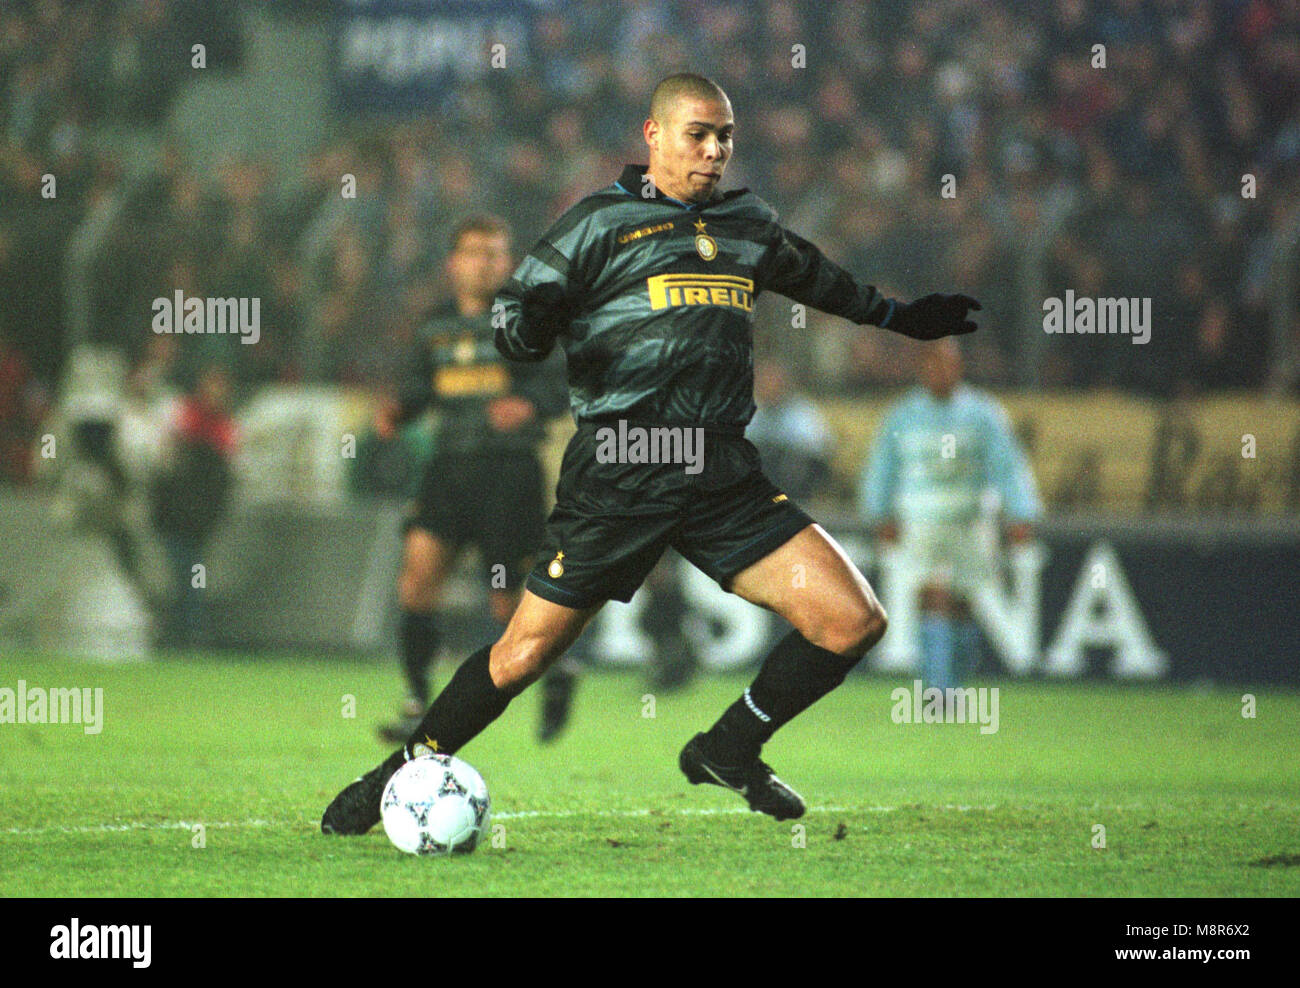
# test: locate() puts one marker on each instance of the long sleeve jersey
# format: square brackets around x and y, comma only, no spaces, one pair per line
[663,296]
[933,460]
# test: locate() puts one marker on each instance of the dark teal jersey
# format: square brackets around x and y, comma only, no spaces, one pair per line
[663,297]
[458,370]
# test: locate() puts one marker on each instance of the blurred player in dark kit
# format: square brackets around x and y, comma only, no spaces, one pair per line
[483,485]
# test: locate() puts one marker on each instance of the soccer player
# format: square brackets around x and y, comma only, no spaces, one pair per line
[939,450]
[483,485]
[649,285]
[792,437]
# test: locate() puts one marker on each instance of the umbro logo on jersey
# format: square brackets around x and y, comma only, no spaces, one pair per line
[727,290]
[645,231]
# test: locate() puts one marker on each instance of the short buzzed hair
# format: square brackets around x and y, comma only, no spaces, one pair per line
[480,223]
[683,84]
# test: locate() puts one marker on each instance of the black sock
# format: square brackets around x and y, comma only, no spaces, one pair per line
[419,641]
[794,676]
[469,703]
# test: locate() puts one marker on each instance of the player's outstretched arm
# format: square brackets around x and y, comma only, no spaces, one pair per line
[797,269]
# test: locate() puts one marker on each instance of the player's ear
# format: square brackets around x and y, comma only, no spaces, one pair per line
[651,131]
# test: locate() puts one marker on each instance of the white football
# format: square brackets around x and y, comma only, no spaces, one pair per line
[436,804]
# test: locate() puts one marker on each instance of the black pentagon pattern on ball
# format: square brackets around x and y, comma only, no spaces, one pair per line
[389,799]
[451,786]
[480,804]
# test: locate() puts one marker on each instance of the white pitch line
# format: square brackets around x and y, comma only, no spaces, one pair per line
[114,828]
[684,811]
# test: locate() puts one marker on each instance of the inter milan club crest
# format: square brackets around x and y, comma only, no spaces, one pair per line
[705,245]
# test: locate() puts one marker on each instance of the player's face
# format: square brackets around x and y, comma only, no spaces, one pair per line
[941,369]
[480,264]
[689,151]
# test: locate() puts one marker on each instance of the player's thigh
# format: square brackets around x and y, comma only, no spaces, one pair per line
[539,632]
[426,560]
[811,582]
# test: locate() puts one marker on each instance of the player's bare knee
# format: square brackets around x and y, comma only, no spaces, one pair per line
[872,624]
[508,664]
[858,629]
[851,631]
[879,622]
[516,663]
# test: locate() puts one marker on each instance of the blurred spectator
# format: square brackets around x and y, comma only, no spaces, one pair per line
[190,495]
[945,143]
[21,407]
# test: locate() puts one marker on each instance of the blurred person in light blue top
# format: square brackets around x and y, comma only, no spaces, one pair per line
[944,451]
[792,437]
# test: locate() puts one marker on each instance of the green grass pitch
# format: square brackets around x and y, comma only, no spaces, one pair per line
[1195,799]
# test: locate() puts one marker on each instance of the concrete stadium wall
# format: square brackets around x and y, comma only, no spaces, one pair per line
[1095,598]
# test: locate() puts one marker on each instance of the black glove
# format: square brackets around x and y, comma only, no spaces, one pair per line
[933,317]
[547,312]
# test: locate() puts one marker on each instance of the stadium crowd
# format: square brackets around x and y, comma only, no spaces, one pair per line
[1122,180]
